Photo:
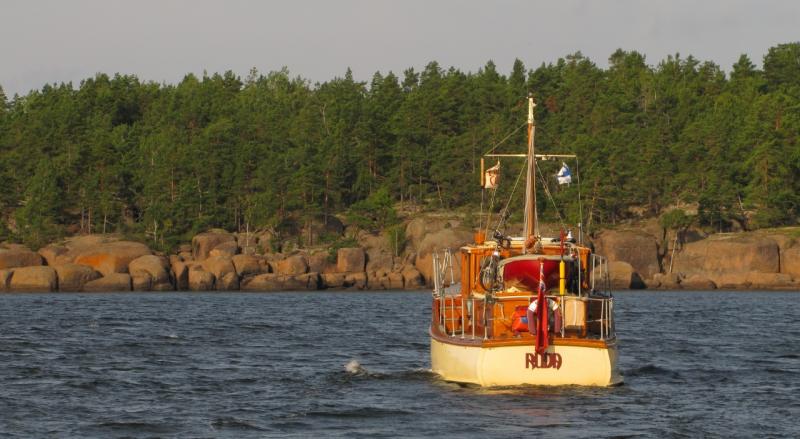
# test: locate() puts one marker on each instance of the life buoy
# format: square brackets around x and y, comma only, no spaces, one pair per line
[554,316]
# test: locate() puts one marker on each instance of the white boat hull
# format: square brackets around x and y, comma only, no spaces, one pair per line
[518,364]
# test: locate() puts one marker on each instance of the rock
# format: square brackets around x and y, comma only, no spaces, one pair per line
[180,276]
[280,282]
[218,266]
[356,280]
[19,257]
[437,241]
[378,251]
[698,282]
[350,260]
[621,275]
[112,282]
[638,249]
[5,279]
[666,281]
[742,253]
[769,281]
[72,277]
[141,281]
[319,262]
[200,280]
[155,266]
[333,280]
[412,278]
[34,279]
[292,266]
[247,265]
[55,255]
[790,261]
[203,243]
[228,249]
[228,282]
[730,280]
[112,257]
[395,281]
[186,256]
[175,259]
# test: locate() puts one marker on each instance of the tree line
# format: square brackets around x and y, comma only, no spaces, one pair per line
[274,151]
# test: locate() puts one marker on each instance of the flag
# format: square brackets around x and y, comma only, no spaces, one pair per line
[542,336]
[564,175]
[492,177]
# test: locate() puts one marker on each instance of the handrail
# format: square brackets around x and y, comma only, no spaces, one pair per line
[448,324]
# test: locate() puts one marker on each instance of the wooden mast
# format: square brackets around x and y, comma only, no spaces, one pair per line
[531,222]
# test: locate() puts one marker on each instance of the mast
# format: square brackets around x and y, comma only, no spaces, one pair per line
[531,222]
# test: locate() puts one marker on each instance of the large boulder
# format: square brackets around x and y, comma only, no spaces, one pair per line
[203,243]
[218,266]
[698,282]
[5,279]
[320,262]
[200,280]
[38,279]
[180,275]
[55,255]
[111,283]
[112,257]
[280,282]
[357,281]
[378,249]
[740,253]
[141,281]
[790,261]
[333,280]
[227,249]
[665,281]
[18,257]
[350,260]
[247,265]
[228,282]
[292,266]
[156,267]
[620,274]
[412,278]
[770,281]
[72,277]
[637,248]
[436,242]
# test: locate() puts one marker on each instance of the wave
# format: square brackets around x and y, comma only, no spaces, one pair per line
[355,369]
[651,370]
[235,424]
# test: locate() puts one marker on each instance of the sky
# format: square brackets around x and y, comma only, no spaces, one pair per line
[70,40]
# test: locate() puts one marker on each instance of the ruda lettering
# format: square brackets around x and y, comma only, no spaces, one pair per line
[548,360]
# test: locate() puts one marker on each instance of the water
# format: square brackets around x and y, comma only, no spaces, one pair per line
[696,364]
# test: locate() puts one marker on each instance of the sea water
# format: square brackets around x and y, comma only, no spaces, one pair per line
[349,364]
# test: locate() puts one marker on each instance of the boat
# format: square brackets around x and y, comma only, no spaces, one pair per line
[525,310]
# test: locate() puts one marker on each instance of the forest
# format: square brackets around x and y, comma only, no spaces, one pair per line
[274,151]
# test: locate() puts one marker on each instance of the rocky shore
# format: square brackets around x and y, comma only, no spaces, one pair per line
[221,261]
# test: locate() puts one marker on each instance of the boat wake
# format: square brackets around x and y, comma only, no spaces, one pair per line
[354,369]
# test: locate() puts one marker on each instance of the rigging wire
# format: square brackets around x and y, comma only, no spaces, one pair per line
[550,196]
[491,150]
[513,190]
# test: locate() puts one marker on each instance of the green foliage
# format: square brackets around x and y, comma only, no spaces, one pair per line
[675,219]
[270,151]
[396,236]
[375,212]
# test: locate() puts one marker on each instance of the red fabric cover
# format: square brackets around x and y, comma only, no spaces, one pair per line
[519,320]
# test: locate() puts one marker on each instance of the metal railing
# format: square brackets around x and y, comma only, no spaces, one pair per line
[460,317]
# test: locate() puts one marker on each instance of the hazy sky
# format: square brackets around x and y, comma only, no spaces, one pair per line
[60,40]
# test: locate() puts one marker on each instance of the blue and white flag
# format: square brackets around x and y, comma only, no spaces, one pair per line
[564,175]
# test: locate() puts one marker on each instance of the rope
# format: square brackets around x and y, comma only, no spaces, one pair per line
[513,190]
[550,196]
[491,150]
